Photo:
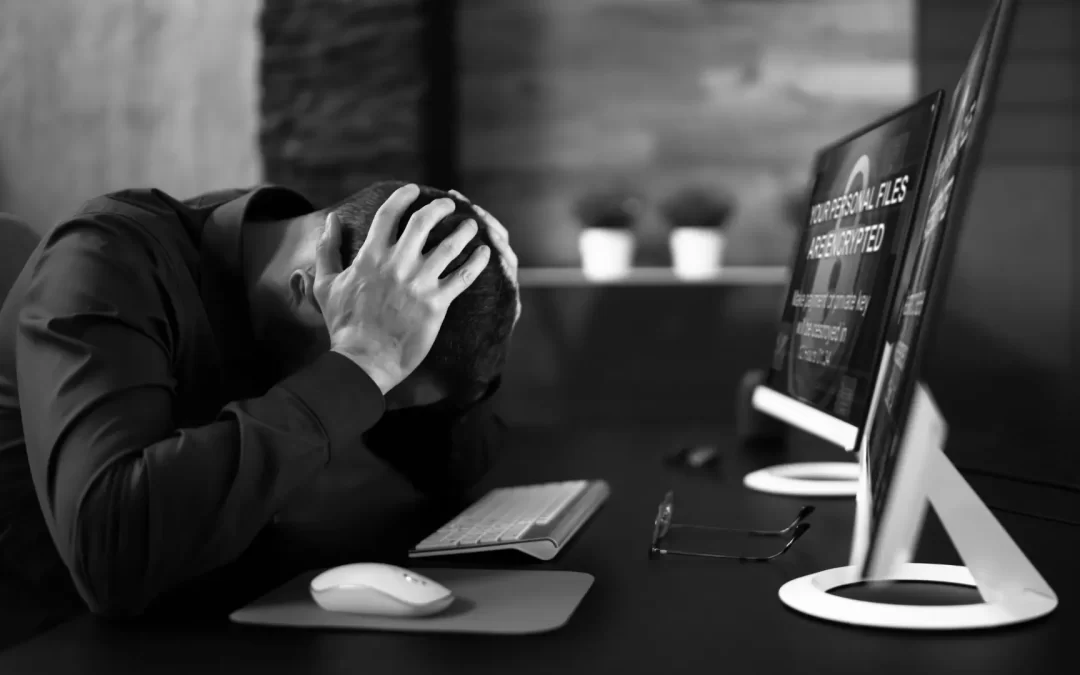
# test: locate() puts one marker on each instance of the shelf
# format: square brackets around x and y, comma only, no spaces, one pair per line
[541,277]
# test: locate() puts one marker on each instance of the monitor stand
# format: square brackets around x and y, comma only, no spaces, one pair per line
[1012,589]
[798,478]
[806,479]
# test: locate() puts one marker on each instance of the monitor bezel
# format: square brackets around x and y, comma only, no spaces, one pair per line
[765,398]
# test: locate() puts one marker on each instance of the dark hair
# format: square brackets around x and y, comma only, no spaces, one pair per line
[472,344]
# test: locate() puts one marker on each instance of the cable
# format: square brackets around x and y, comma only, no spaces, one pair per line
[1065,487]
[1034,515]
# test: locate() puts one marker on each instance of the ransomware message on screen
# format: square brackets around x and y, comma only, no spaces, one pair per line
[833,319]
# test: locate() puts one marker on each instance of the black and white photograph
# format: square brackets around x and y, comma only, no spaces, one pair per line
[539,336]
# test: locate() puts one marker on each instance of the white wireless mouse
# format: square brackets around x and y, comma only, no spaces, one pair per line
[378,589]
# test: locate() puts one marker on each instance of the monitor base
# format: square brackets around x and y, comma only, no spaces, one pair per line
[810,595]
[806,479]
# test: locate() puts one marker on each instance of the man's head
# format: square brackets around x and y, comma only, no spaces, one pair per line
[471,346]
[470,349]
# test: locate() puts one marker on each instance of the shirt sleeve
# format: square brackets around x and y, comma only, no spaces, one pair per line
[135,505]
[441,450]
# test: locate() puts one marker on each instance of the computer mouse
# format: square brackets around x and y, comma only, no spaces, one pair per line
[378,589]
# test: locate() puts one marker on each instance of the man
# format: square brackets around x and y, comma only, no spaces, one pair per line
[174,374]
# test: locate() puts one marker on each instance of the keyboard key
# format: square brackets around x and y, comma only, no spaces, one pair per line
[472,537]
[493,534]
[560,503]
[433,541]
[516,532]
[453,539]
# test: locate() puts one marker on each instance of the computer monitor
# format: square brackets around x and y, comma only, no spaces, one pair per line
[843,275]
[903,465]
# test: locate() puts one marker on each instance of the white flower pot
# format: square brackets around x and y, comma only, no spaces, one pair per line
[697,252]
[606,253]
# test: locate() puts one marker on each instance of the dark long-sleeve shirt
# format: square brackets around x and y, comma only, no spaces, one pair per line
[143,441]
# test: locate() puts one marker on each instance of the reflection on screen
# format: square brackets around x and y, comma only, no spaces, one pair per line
[924,248]
[862,204]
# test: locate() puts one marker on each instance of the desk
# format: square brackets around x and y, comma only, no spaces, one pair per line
[650,616]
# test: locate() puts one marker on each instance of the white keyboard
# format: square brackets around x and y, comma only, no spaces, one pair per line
[534,519]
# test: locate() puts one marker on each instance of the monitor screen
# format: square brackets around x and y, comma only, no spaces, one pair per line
[925,270]
[863,200]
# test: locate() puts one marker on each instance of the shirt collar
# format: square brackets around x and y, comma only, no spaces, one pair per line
[222,236]
[221,277]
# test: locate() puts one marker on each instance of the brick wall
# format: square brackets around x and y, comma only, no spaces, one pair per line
[355,91]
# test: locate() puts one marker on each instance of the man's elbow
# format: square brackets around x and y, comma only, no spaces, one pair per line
[107,552]
[112,604]
[114,607]
[108,580]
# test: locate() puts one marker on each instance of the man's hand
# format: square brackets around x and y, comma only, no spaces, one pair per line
[385,309]
[500,238]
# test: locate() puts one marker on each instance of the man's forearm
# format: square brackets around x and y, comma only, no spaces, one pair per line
[147,521]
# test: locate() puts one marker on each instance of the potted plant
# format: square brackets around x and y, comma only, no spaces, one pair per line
[607,238]
[698,217]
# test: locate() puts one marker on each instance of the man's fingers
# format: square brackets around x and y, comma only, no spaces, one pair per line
[386,219]
[455,284]
[505,252]
[500,236]
[496,229]
[491,221]
[327,250]
[449,249]
[420,225]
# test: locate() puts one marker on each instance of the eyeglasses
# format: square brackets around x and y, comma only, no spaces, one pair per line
[664,523]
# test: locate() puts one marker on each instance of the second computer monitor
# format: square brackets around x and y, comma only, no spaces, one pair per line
[829,341]
[881,513]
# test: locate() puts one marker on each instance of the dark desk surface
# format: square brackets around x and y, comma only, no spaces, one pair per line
[641,615]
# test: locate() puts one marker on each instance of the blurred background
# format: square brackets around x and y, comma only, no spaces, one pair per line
[563,97]
[631,117]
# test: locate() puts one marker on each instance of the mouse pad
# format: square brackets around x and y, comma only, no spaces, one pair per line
[509,602]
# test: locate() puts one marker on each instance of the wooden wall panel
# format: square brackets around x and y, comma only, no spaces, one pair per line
[561,96]
[98,96]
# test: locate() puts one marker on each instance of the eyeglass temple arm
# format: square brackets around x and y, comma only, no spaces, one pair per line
[799,531]
[668,551]
[753,533]
[806,511]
